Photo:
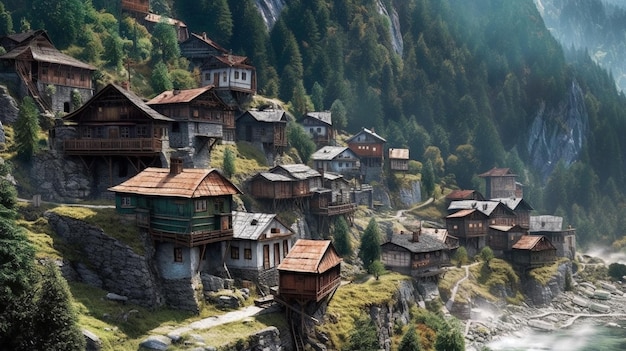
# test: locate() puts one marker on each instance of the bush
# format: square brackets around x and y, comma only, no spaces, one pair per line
[617,271]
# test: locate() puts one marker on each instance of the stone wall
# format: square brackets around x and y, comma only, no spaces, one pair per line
[538,294]
[119,269]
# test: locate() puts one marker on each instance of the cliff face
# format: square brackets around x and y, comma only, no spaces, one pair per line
[558,134]
[538,294]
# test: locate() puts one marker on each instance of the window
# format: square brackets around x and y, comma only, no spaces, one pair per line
[247,254]
[236,74]
[99,132]
[224,77]
[319,130]
[86,132]
[178,254]
[125,201]
[207,76]
[244,75]
[196,113]
[175,127]
[218,205]
[142,131]
[455,227]
[200,205]
[196,127]
[285,248]
[125,132]
[234,252]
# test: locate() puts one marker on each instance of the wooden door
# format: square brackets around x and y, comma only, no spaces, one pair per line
[276,254]
[266,256]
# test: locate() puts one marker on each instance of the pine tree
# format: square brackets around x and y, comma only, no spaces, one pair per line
[229,162]
[428,178]
[301,141]
[56,321]
[165,43]
[369,250]
[27,129]
[341,237]
[410,340]
[160,79]
[364,336]
[449,338]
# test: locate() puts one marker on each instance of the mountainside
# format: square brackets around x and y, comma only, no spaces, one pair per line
[484,83]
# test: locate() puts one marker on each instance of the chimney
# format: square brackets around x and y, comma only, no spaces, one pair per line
[176,91]
[204,35]
[176,166]
[416,235]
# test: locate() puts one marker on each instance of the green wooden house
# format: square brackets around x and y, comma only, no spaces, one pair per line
[187,207]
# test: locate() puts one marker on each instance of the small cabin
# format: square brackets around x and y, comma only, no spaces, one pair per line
[398,159]
[198,48]
[199,115]
[520,207]
[334,198]
[38,65]
[502,237]
[320,126]
[498,213]
[285,182]
[267,127]
[338,159]
[229,72]
[501,183]
[470,226]
[187,207]
[152,19]
[552,228]
[533,251]
[415,254]
[260,243]
[369,147]
[310,272]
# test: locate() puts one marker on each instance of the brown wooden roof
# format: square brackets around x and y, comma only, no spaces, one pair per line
[178,96]
[498,172]
[38,47]
[398,154]
[462,213]
[203,38]
[531,242]
[189,183]
[310,256]
[460,194]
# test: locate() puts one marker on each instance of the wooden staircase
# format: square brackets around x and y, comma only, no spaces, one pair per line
[296,332]
[23,72]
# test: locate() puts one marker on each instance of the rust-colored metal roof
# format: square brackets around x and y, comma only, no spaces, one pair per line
[498,172]
[189,183]
[398,154]
[528,242]
[178,96]
[310,256]
[461,213]
[460,194]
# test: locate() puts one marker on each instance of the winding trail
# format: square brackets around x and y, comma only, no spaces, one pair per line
[575,316]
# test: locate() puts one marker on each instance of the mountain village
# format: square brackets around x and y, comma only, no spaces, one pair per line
[150,156]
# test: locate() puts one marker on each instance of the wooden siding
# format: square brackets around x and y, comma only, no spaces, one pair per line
[58,74]
[142,6]
[119,146]
[306,286]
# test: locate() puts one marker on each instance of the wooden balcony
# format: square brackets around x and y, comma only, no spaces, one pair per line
[118,146]
[193,239]
[334,209]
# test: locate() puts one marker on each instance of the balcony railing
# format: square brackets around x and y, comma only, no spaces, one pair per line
[101,146]
[194,239]
[334,209]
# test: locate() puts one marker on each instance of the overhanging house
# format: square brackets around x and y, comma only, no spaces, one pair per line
[267,128]
[533,251]
[39,66]
[564,240]
[320,126]
[338,159]
[419,255]
[398,159]
[369,147]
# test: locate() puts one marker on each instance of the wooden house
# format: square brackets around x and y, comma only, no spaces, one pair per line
[260,242]
[419,255]
[442,235]
[187,207]
[200,117]
[285,182]
[564,240]
[198,48]
[533,251]
[117,127]
[501,183]
[470,226]
[266,127]
[338,159]
[152,19]
[460,195]
[334,198]
[310,272]
[521,208]
[320,126]
[497,212]
[37,64]
[369,147]
[501,238]
[398,159]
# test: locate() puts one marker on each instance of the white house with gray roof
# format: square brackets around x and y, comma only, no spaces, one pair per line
[320,126]
[260,242]
[338,159]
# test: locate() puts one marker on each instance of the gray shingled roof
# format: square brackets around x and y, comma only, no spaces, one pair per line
[546,223]
[299,171]
[367,131]
[328,153]
[485,207]
[513,202]
[426,243]
[325,117]
[250,226]
[273,177]
[268,115]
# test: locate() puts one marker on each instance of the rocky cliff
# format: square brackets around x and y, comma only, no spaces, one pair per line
[557,134]
[541,294]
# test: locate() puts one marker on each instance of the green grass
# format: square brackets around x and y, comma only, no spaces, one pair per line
[351,300]
[110,221]
[545,273]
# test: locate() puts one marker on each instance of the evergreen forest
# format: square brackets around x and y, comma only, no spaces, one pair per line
[458,82]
